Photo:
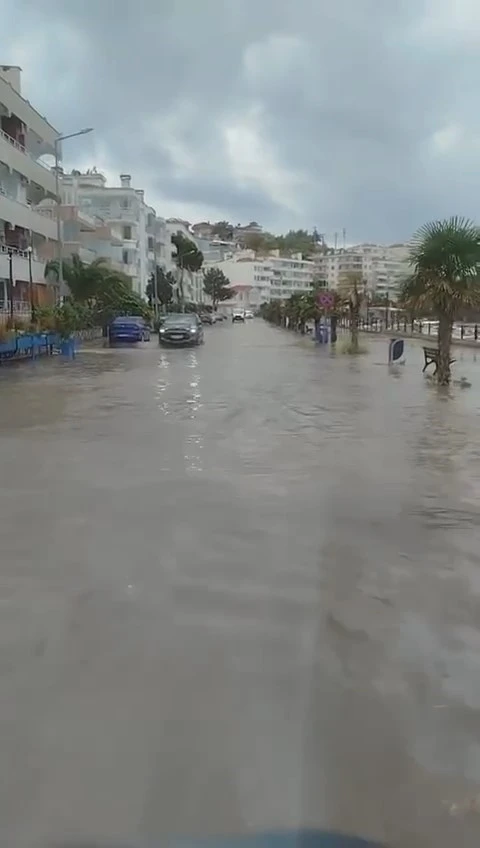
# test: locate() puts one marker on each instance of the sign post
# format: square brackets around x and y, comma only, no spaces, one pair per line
[325,300]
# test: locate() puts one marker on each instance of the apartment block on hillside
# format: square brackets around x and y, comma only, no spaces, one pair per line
[381,267]
[262,280]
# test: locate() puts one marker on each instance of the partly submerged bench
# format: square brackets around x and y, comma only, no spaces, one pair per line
[431,355]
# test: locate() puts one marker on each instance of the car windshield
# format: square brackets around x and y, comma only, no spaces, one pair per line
[180,319]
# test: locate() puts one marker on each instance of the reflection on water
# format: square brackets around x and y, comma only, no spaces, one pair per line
[239,590]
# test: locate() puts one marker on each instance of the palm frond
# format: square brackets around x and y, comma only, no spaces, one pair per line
[445,260]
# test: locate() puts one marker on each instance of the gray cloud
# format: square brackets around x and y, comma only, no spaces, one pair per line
[357,114]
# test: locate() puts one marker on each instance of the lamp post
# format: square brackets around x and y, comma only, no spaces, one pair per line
[30,285]
[155,293]
[181,265]
[57,142]
[10,280]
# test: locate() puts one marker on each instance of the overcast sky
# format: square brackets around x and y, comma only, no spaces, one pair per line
[360,114]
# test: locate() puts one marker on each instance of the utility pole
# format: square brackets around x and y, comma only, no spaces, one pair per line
[344,233]
[10,280]
[57,143]
[155,293]
[30,285]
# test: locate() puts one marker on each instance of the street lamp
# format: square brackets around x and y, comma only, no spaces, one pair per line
[10,280]
[57,142]
[155,293]
[30,284]
[181,260]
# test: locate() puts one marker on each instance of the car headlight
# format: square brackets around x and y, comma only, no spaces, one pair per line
[193,330]
[162,329]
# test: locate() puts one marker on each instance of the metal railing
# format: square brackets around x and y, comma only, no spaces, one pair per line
[21,309]
[27,204]
[22,149]
[423,327]
[6,249]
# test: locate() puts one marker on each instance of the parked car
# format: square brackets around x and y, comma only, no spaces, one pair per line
[207,318]
[128,329]
[181,329]
[238,315]
[249,314]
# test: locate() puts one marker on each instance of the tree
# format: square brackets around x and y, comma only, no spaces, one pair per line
[351,292]
[82,279]
[187,258]
[223,230]
[97,292]
[165,287]
[260,242]
[217,286]
[297,241]
[445,260]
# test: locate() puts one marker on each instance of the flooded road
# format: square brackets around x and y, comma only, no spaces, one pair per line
[239,589]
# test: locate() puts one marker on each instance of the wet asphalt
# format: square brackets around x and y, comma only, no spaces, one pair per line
[239,589]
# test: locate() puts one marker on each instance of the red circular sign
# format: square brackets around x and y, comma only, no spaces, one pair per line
[325,299]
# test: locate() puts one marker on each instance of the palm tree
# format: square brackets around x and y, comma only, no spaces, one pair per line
[187,258]
[83,280]
[351,292]
[445,260]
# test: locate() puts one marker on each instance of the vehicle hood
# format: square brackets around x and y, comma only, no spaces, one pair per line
[294,839]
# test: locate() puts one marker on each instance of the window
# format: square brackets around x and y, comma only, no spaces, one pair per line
[150,243]
[125,203]
[127,232]
[125,257]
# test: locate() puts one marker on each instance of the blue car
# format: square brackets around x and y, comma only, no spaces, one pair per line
[128,329]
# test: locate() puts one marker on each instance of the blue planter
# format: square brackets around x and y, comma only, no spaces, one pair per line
[37,343]
[24,342]
[8,347]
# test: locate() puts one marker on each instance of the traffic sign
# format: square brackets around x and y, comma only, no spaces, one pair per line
[325,299]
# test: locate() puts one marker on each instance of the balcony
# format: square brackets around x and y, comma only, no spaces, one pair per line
[20,268]
[117,213]
[86,254]
[19,159]
[23,109]
[129,270]
[22,215]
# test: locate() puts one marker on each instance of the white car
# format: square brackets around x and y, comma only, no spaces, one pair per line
[249,314]
[238,315]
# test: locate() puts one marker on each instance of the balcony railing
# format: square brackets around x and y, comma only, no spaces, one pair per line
[18,212]
[22,149]
[16,251]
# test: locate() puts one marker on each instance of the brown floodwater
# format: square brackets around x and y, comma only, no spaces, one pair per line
[239,589]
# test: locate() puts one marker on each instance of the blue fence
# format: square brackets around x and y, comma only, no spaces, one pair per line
[32,345]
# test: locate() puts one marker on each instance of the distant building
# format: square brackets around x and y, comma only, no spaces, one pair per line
[202,230]
[381,267]
[256,281]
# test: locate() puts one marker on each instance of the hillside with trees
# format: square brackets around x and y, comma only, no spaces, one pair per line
[294,241]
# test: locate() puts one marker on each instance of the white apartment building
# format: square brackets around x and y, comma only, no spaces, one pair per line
[163,246]
[260,280]
[123,209]
[382,267]
[25,136]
